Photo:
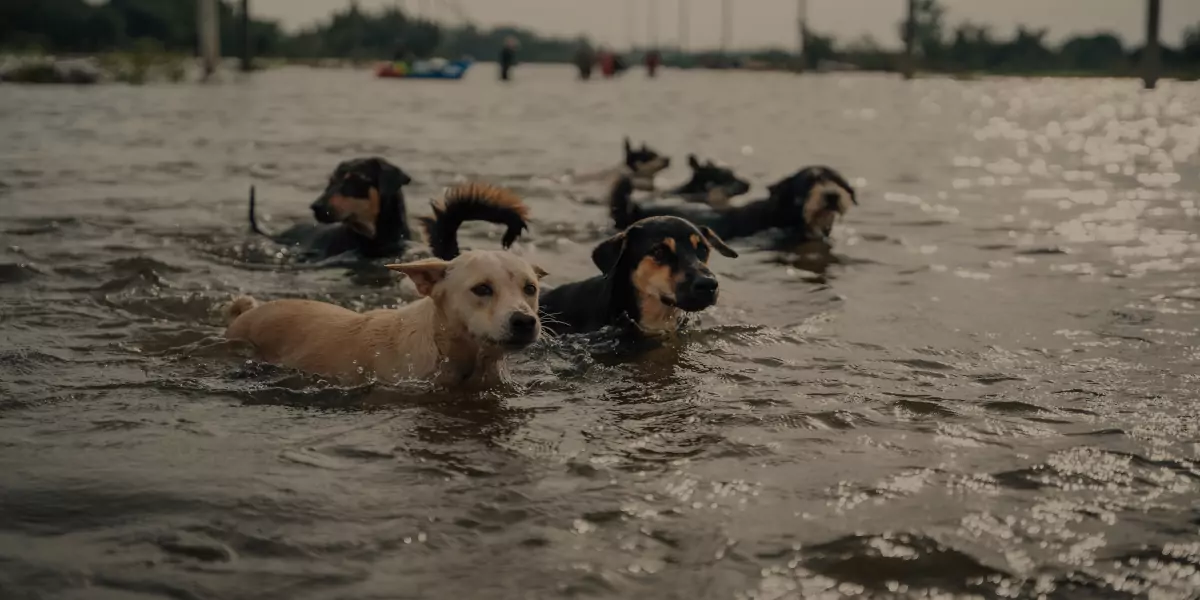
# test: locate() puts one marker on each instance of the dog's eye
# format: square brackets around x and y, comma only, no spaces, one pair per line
[660,254]
[702,253]
[530,289]
[482,290]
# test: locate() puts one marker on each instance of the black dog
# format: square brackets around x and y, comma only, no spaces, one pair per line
[361,211]
[643,164]
[652,273]
[804,206]
[710,184]
[473,202]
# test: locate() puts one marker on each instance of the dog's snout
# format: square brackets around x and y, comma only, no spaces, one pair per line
[522,323]
[705,284]
[321,211]
[832,199]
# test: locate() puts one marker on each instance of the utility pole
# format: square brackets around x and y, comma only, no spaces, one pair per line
[209,36]
[684,25]
[802,33]
[629,25]
[247,58]
[651,24]
[1150,53]
[910,40]
[726,25]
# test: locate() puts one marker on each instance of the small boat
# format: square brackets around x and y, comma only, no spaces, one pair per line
[438,68]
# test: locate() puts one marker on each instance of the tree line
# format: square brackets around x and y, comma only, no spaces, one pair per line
[76,26]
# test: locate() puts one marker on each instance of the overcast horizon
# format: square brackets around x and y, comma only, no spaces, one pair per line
[761,23]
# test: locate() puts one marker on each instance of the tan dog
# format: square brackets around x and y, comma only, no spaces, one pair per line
[475,309]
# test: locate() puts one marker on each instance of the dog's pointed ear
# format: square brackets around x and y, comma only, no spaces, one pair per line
[608,253]
[426,274]
[715,241]
[540,272]
[628,146]
[692,162]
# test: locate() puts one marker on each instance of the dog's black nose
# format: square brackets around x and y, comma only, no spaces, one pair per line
[521,323]
[832,199]
[705,285]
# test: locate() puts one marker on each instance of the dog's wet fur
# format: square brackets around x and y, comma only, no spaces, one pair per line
[475,308]
[803,206]
[710,184]
[651,274]
[361,211]
[473,202]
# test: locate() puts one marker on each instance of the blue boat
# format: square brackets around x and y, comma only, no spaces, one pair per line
[438,68]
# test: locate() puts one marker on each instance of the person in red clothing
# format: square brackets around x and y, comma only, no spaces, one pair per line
[653,59]
[608,62]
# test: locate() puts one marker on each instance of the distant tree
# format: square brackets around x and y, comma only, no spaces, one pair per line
[1093,52]
[818,48]
[929,31]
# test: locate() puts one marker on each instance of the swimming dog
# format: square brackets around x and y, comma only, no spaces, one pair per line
[641,164]
[651,274]
[710,184]
[804,206]
[361,211]
[475,308]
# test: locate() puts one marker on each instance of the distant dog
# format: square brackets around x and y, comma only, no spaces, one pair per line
[804,207]
[361,211]
[475,309]
[641,164]
[651,273]
[710,184]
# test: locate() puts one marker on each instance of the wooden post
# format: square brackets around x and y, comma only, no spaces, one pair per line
[910,40]
[1150,53]
[726,25]
[802,33]
[209,35]
[247,51]
[684,26]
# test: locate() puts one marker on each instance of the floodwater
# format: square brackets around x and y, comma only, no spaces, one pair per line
[989,391]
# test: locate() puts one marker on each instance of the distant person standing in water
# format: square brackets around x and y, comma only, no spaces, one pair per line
[653,59]
[584,59]
[508,57]
[608,62]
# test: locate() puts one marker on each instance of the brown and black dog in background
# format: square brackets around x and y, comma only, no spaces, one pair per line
[361,211]
[651,274]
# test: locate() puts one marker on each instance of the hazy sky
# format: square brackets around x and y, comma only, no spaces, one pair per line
[759,23]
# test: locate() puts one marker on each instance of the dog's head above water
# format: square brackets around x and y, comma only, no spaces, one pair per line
[665,261]
[813,199]
[360,192]
[644,163]
[487,295]
[711,183]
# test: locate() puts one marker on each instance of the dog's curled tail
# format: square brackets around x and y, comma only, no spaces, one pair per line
[621,207]
[473,202]
[240,305]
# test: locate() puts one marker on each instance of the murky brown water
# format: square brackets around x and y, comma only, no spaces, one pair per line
[992,393]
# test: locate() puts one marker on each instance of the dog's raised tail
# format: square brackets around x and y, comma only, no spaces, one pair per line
[473,202]
[240,306]
[621,208]
[253,219]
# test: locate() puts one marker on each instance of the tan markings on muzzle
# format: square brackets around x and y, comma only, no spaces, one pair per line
[817,213]
[359,213]
[653,282]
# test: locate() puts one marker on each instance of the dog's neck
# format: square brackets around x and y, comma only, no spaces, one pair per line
[641,181]
[644,313]
[462,361]
[391,229]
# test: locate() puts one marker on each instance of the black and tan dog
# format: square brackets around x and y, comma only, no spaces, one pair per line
[641,164]
[710,184]
[804,207]
[361,211]
[651,274]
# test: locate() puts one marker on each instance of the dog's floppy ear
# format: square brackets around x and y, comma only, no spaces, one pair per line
[692,162]
[608,253]
[715,241]
[391,177]
[838,179]
[788,189]
[424,273]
